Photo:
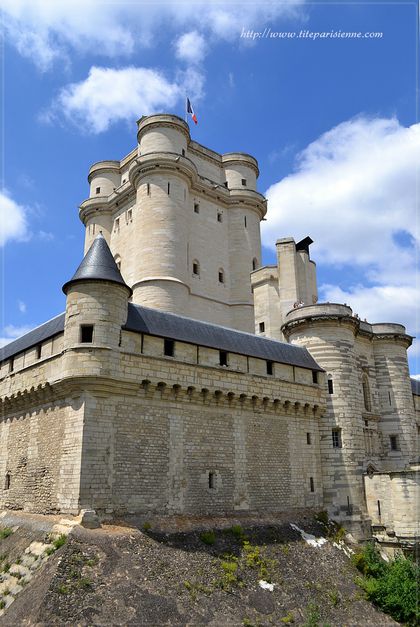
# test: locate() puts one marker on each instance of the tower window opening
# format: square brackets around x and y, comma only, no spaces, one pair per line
[221,276]
[308,438]
[169,188]
[336,438]
[130,215]
[168,347]
[11,364]
[196,268]
[219,217]
[183,152]
[148,189]
[349,507]
[314,376]
[366,393]
[393,441]
[7,481]
[330,386]
[312,484]
[243,181]
[379,508]
[261,327]
[254,264]
[245,221]
[116,225]
[38,351]
[212,480]
[389,397]
[86,333]
[98,190]
[269,365]
[196,207]
[223,358]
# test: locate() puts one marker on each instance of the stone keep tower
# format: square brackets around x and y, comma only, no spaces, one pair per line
[182,222]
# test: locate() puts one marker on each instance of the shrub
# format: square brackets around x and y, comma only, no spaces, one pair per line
[392,586]
[5,532]
[147,526]
[208,537]
[60,541]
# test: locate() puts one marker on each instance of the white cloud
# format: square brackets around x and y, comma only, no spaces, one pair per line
[111,95]
[48,30]
[21,306]
[191,47]
[354,192]
[11,332]
[13,219]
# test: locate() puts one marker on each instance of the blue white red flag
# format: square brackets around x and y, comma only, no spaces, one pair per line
[190,110]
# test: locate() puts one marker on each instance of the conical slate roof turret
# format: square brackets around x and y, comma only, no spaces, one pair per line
[98,265]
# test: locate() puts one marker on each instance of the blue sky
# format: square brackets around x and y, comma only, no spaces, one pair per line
[332,122]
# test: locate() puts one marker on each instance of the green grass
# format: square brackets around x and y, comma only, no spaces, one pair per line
[60,541]
[5,532]
[208,537]
[147,526]
[392,586]
[2,604]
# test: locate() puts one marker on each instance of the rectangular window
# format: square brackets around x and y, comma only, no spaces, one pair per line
[168,347]
[116,225]
[38,351]
[169,188]
[393,441]
[196,207]
[261,327]
[314,376]
[11,364]
[196,270]
[148,189]
[336,438]
[225,183]
[130,215]
[389,398]
[245,221]
[311,483]
[379,508]
[183,152]
[219,217]
[269,367]
[86,333]
[330,386]
[223,358]
[212,480]
[98,190]
[308,438]
[221,277]
[243,181]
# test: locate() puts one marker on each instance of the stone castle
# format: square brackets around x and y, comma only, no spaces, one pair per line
[184,378]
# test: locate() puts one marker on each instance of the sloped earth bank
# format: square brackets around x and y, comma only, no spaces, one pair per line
[131,576]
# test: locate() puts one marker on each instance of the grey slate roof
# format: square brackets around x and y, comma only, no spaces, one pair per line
[162,324]
[34,337]
[415,386]
[97,265]
[155,322]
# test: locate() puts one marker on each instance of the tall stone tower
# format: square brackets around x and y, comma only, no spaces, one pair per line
[182,222]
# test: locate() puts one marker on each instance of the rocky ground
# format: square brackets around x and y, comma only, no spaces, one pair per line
[139,576]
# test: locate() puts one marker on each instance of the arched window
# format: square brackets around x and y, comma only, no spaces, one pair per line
[221,275]
[196,267]
[254,263]
[366,393]
[7,481]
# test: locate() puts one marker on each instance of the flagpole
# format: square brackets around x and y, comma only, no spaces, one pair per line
[186,113]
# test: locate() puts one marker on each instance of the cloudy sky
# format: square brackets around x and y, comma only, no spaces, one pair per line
[331,120]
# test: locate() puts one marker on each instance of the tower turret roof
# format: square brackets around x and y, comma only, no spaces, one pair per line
[97,265]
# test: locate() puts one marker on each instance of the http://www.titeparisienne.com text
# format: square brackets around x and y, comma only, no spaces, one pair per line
[268,33]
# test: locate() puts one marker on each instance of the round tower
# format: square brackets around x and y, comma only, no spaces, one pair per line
[328,331]
[96,309]
[161,177]
[246,210]
[398,425]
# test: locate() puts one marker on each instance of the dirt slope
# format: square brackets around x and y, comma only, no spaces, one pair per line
[126,576]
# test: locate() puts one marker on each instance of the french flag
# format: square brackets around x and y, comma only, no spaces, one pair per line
[190,110]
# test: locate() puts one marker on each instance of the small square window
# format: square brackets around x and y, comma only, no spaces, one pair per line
[308,438]
[98,190]
[168,347]
[314,376]
[243,181]
[196,207]
[86,333]
[220,217]
[225,183]
[269,367]
[261,327]
[336,438]
[393,441]
[223,358]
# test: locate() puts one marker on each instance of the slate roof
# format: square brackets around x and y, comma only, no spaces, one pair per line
[159,323]
[34,337]
[415,386]
[97,265]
